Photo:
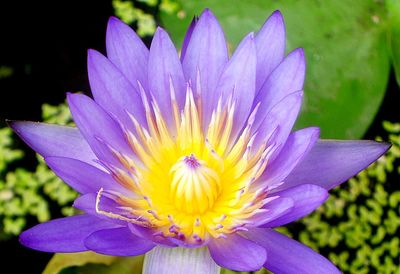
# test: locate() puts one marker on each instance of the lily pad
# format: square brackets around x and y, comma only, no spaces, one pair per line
[393,7]
[346,48]
[90,262]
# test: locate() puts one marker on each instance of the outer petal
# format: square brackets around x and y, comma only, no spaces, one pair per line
[205,58]
[239,81]
[87,203]
[117,242]
[287,256]
[306,198]
[270,45]
[97,127]
[331,162]
[82,177]
[165,69]
[237,253]
[90,204]
[273,210]
[112,90]
[297,146]
[188,36]
[54,140]
[127,51]
[279,121]
[63,235]
[287,78]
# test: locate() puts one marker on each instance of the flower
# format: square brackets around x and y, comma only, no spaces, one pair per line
[195,153]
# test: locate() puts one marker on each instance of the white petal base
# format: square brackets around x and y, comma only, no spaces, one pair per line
[163,260]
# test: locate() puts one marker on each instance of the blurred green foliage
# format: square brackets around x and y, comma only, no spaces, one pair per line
[145,23]
[5,72]
[29,193]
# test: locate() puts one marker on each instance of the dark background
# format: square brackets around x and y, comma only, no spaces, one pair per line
[45,44]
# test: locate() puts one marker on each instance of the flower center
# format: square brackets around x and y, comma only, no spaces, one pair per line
[194,186]
[189,183]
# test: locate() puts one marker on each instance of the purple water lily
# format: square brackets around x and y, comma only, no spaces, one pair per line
[193,153]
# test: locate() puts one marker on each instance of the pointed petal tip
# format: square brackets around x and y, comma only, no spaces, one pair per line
[92,54]
[277,15]
[114,20]
[207,12]
[299,53]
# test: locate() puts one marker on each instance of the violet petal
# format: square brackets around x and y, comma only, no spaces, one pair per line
[238,80]
[117,242]
[237,253]
[287,256]
[296,147]
[54,140]
[165,68]
[270,45]
[287,78]
[331,162]
[88,116]
[63,235]
[81,176]
[127,51]
[112,90]
[306,198]
[205,57]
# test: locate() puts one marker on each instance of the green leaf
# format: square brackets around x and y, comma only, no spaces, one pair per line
[346,49]
[62,261]
[393,7]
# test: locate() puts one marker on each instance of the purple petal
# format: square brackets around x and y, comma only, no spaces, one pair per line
[97,127]
[82,177]
[117,242]
[54,140]
[127,51]
[272,210]
[112,90]
[281,119]
[297,146]
[288,256]
[148,233]
[270,45]
[287,78]
[332,162]
[63,235]
[237,253]
[87,203]
[239,79]
[306,198]
[205,57]
[188,36]
[164,69]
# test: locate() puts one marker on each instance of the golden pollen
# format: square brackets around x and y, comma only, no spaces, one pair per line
[194,186]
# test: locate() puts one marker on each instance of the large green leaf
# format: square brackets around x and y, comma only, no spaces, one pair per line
[393,7]
[90,262]
[345,44]
[63,261]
